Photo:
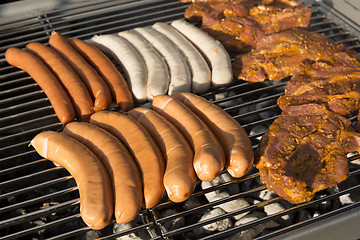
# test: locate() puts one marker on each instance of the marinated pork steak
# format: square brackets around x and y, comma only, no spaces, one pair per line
[334,82]
[274,19]
[279,55]
[238,25]
[304,151]
[293,3]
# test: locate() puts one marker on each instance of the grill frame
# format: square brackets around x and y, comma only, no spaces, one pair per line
[17,157]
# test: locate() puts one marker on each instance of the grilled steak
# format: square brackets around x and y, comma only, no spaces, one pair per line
[238,25]
[279,55]
[293,3]
[304,151]
[334,82]
[276,19]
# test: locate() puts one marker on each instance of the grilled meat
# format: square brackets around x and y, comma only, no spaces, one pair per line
[304,151]
[293,3]
[279,55]
[238,25]
[236,34]
[334,82]
[275,19]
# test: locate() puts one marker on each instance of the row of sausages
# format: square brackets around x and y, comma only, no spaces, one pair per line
[79,78]
[168,58]
[145,152]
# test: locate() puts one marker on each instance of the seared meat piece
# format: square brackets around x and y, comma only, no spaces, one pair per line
[227,23]
[238,25]
[214,11]
[334,82]
[304,151]
[236,34]
[279,55]
[338,63]
[268,2]
[274,19]
[293,3]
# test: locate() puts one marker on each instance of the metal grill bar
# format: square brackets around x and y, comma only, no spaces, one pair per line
[39,213]
[45,226]
[34,187]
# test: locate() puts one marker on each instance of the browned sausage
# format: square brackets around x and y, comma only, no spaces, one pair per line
[209,158]
[119,163]
[94,82]
[180,177]
[235,141]
[58,97]
[96,196]
[143,148]
[99,61]
[76,89]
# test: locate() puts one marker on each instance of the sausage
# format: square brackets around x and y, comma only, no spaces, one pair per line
[129,59]
[107,70]
[179,177]
[211,49]
[121,167]
[66,75]
[180,76]
[158,77]
[235,141]
[96,196]
[201,74]
[209,158]
[98,89]
[143,148]
[57,95]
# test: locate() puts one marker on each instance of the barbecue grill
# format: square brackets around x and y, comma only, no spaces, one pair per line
[39,200]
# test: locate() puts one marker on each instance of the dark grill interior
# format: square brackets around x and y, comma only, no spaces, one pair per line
[39,200]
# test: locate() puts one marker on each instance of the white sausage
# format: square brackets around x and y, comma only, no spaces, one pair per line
[157,71]
[212,49]
[129,58]
[201,73]
[180,76]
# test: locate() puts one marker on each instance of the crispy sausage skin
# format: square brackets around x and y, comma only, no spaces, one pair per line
[122,169]
[47,81]
[143,148]
[209,158]
[235,141]
[180,177]
[102,64]
[97,86]
[96,196]
[76,89]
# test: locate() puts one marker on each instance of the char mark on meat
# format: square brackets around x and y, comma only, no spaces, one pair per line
[304,151]
[280,55]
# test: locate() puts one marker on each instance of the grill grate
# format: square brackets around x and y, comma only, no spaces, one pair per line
[39,200]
